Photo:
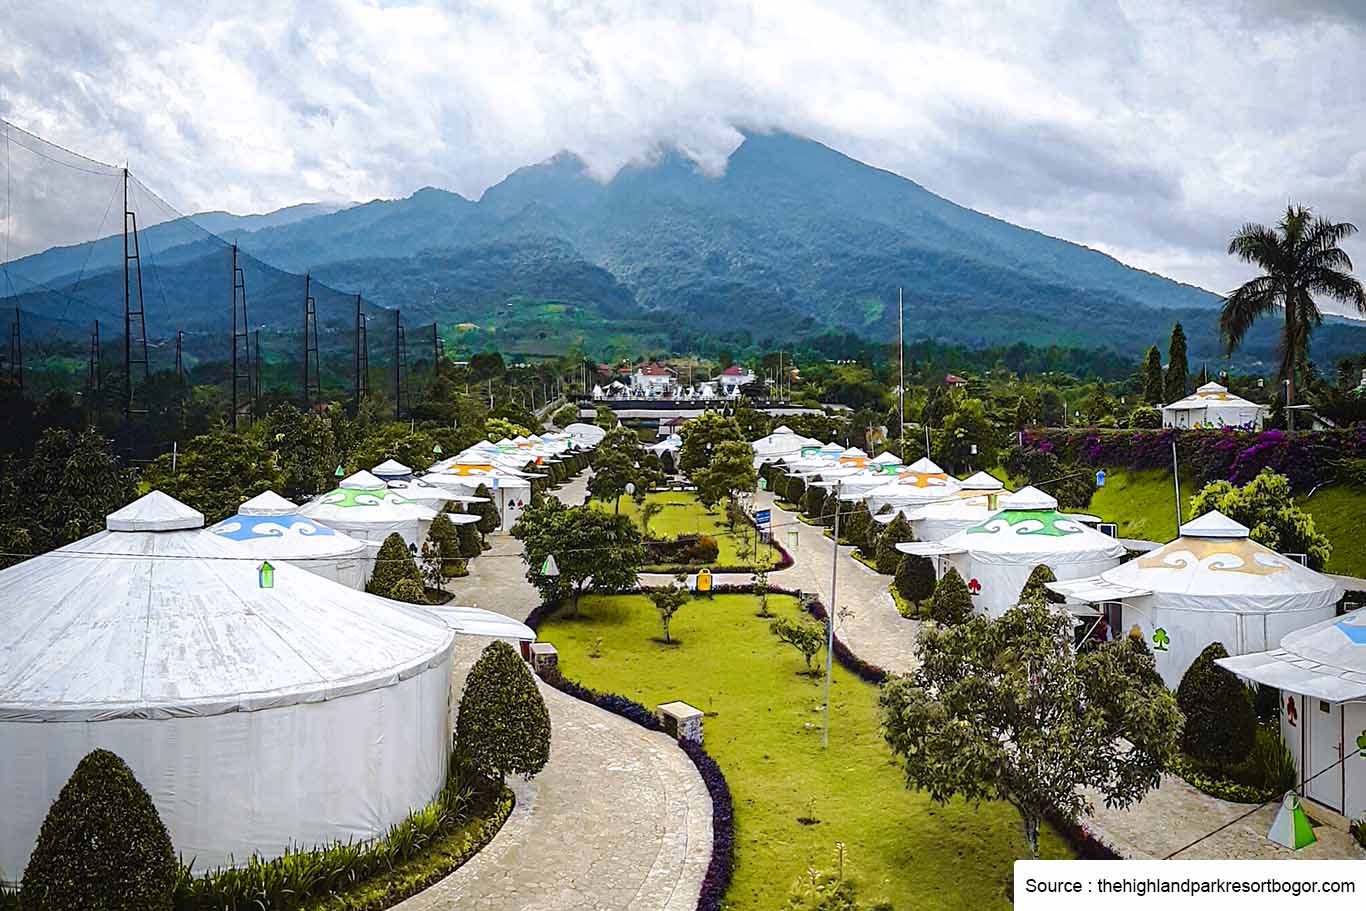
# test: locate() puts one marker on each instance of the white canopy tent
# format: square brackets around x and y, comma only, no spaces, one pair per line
[996,556]
[1321,673]
[261,709]
[783,441]
[1212,405]
[585,436]
[1212,584]
[269,527]
[364,507]
[465,473]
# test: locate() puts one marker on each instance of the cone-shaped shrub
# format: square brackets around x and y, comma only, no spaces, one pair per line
[408,590]
[951,603]
[1036,590]
[813,504]
[1220,721]
[393,563]
[445,537]
[489,519]
[915,578]
[102,846]
[795,491]
[888,557]
[856,529]
[503,725]
[470,543]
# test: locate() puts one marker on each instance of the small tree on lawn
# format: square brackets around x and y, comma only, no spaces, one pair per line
[410,591]
[393,563]
[897,532]
[1036,590]
[730,473]
[503,726]
[592,549]
[1004,710]
[101,846]
[807,638]
[951,603]
[915,579]
[761,590]
[489,520]
[467,536]
[1221,722]
[668,600]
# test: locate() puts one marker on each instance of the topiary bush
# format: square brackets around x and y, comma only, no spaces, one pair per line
[393,563]
[1220,720]
[915,579]
[854,529]
[813,504]
[408,591]
[489,520]
[102,846]
[469,542]
[795,491]
[887,556]
[1035,589]
[951,603]
[503,726]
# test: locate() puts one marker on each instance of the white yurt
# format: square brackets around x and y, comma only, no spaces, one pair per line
[1212,584]
[996,556]
[918,484]
[269,527]
[1321,674]
[364,507]
[1212,405]
[262,708]
[783,441]
[463,474]
[585,436]
[392,470]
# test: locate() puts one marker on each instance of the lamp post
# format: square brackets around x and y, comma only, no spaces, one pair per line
[830,617]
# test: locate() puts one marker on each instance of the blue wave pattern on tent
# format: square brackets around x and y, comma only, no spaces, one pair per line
[244,528]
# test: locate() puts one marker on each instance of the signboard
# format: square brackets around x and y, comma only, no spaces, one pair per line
[762,517]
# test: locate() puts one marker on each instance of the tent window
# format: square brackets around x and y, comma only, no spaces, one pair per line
[1324,707]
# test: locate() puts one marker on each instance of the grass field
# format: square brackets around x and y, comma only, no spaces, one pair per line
[763,726]
[1143,504]
[683,515]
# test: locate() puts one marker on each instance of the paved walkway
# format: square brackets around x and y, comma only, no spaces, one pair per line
[618,819]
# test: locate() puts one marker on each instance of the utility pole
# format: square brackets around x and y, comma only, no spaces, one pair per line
[312,375]
[901,370]
[131,314]
[179,379]
[95,392]
[240,339]
[830,617]
[1176,482]
[256,371]
[400,357]
[16,353]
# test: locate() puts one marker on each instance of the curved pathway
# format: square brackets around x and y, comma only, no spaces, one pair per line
[618,819]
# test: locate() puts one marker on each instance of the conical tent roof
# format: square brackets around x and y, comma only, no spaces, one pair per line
[141,622]
[835,448]
[361,480]
[1029,527]
[982,481]
[854,453]
[269,503]
[887,458]
[1214,565]
[391,468]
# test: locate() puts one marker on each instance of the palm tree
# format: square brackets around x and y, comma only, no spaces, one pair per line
[1299,258]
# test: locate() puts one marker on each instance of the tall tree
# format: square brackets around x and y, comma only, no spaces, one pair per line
[1005,710]
[701,436]
[1178,370]
[1300,258]
[730,472]
[592,550]
[1152,378]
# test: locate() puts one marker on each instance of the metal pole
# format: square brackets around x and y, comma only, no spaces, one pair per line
[233,276]
[901,369]
[1176,481]
[127,326]
[830,618]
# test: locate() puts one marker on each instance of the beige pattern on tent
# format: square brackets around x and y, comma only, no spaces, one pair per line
[1220,556]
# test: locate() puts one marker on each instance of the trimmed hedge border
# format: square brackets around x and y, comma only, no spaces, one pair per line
[1222,788]
[722,862]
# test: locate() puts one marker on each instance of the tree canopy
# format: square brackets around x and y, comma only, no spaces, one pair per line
[701,437]
[1265,505]
[593,550]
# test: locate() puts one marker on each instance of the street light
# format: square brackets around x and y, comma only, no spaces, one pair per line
[830,616]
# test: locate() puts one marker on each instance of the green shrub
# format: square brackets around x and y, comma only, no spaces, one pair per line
[1215,785]
[951,603]
[408,591]
[393,563]
[813,504]
[469,541]
[565,415]
[1145,417]
[1035,590]
[489,520]
[102,846]
[854,529]
[503,726]
[1271,760]
[1220,721]
[915,578]
[795,491]
[887,556]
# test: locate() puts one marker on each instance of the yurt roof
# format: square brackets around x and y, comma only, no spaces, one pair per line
[280,536]
[854,453]
[1226,570]
[590,434]
[1212,395]
[1326,660]
[361,480]
[1029,498]
[390,467]
[981,481]
[832,447]
[362,504]
[924,465]
[269,503]
[1029,527]
[887,458]
[154,512]
[149,623]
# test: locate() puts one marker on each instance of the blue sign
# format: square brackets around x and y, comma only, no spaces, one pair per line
[1100,478]
[762,517]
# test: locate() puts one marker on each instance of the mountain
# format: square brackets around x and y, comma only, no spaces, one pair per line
[792,239]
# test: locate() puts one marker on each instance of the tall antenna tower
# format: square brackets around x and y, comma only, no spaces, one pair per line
[16,353]
[94,391]
[241,366]
[256,371]
[438,348]
[134,348]
[400,367]
[312,380]
[179,378]
[362,358]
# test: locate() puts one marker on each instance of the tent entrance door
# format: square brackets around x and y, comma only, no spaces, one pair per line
[1323,740]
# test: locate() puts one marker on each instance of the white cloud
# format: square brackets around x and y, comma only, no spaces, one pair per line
[1148,128]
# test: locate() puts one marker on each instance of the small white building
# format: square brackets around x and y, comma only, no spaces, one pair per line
[733,377]
[1212,405]
[654,379]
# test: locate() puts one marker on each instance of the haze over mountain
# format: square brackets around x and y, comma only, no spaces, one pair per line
[792,239]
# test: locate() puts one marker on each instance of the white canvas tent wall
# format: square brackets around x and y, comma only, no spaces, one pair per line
[269,527]
[1212,405]
[1215,584]
[364,507]
[997,556]
[464,473]
[1321,674]
[257,718]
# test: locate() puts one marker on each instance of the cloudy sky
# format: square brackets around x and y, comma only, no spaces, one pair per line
[1149,129]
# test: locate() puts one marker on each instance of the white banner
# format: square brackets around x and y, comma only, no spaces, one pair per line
[1173,885]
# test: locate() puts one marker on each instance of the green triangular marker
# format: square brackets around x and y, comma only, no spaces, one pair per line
[266,575]
[340,472]
[548,568]
[1291,826]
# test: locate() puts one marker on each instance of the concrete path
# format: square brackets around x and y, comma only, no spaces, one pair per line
[618,819]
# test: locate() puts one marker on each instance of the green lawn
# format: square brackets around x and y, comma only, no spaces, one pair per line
[1143,504]
[683,515]
[763,726]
